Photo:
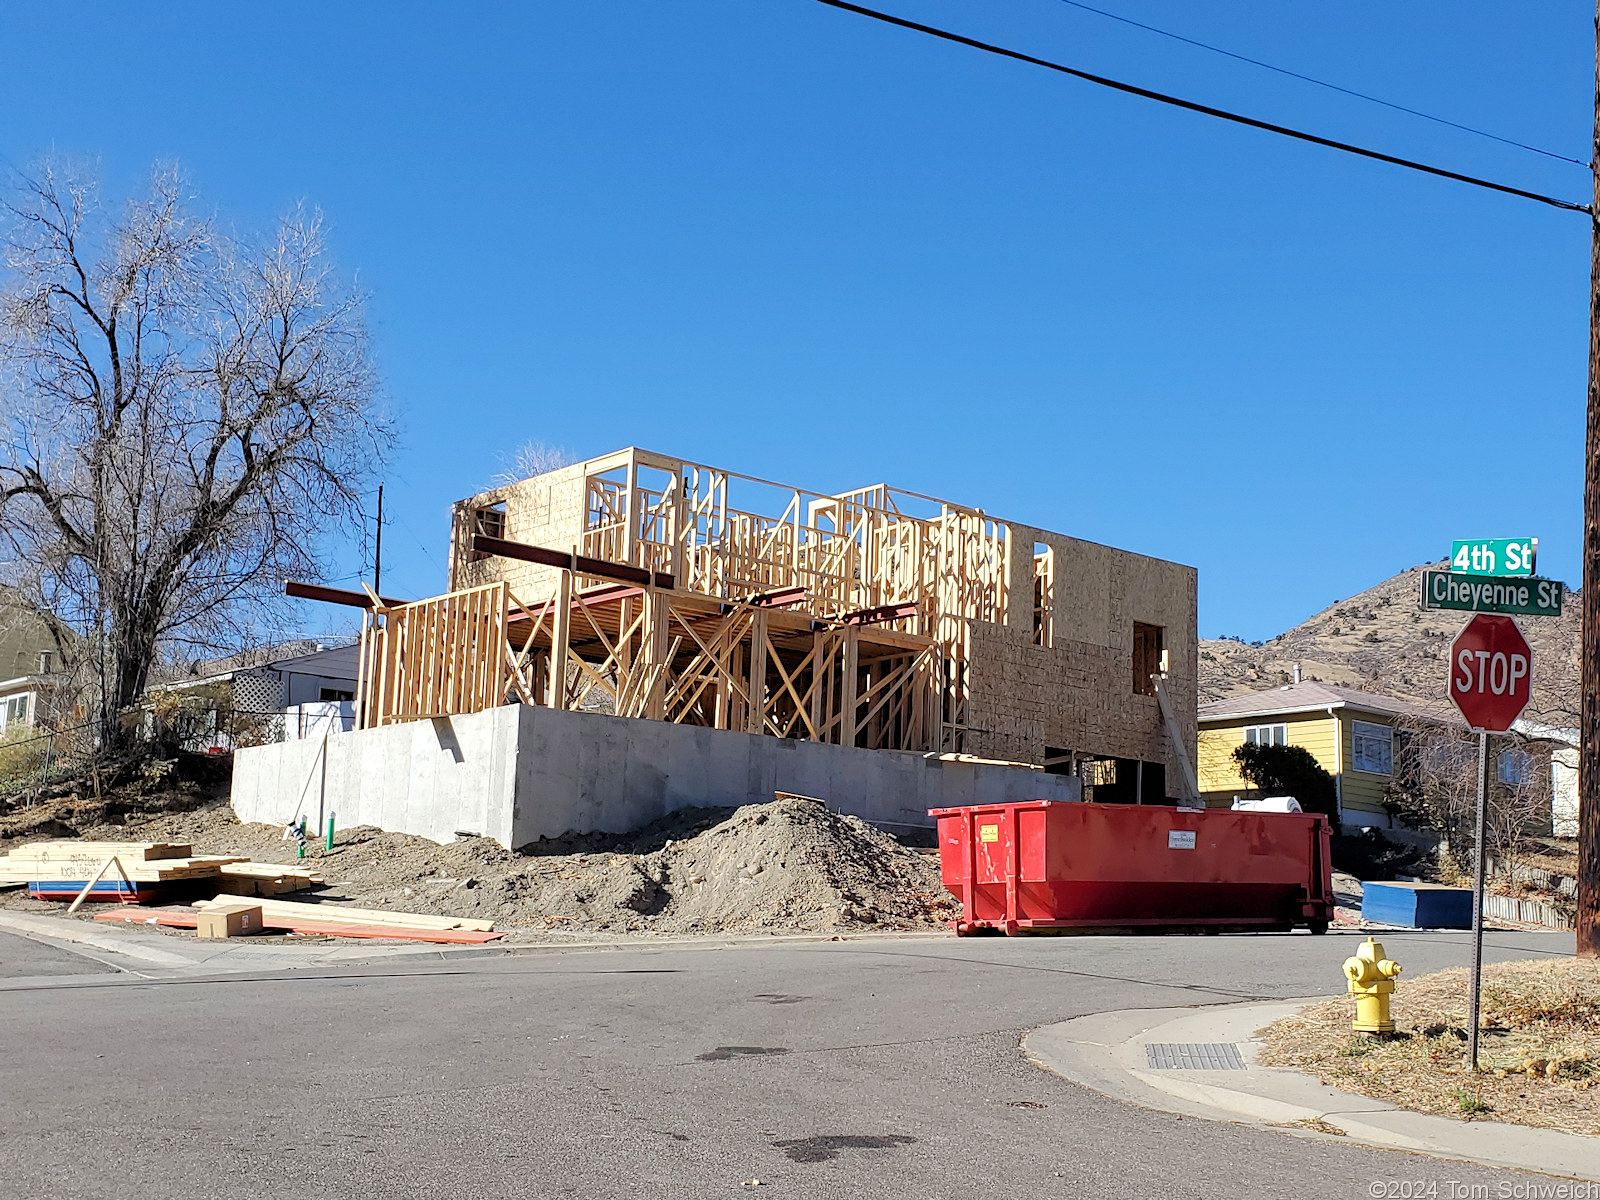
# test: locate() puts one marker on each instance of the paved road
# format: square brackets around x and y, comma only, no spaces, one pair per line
[845,1069]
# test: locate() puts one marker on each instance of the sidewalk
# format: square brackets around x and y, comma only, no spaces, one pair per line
[1107,1052]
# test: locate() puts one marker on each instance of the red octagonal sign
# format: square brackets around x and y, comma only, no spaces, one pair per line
[1491,669]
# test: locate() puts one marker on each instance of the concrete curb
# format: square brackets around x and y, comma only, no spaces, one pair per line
[76,933]
[1106,1052]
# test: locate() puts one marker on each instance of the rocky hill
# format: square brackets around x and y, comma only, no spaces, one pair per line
[1380,641]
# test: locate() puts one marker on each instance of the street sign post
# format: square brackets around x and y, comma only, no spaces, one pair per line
[1526,597]
[1491,679]
[1494,556]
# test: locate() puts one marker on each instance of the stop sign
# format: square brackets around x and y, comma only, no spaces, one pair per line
[1491,670]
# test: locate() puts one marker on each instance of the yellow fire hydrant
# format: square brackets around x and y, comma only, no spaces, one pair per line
[1371,977]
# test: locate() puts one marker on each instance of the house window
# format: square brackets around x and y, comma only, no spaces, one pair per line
[1149,657]
[14,711]
[1372,748]
[1515,767]
[1267,735]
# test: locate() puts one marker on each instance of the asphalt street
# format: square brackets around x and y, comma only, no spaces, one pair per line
[860,1068]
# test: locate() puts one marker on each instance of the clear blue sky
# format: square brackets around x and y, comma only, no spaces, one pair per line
[780,238]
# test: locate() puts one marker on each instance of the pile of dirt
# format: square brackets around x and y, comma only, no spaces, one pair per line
[1539,1045]
[789,866]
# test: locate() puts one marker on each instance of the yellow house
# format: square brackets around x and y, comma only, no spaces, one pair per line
[1351,733]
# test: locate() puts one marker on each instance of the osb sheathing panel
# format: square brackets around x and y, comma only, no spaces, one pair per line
[1077,693]
[547,510]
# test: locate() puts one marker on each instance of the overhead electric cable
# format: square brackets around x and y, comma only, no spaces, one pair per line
[1206,110]
[1256,62]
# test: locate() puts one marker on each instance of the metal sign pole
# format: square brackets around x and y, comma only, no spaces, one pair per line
[1480,853]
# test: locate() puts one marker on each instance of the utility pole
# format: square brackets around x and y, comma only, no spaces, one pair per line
[378,549]
[1588,914]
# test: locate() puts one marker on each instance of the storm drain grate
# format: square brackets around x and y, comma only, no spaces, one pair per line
[1194,1056]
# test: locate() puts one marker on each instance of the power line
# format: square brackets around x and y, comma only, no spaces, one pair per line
[1206,110]
[1256,62]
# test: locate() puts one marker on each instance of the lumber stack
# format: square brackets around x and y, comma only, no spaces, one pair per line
[298,924]
[59,870]
[280,913]
[266,879]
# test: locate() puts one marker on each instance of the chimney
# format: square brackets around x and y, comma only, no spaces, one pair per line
[1297,672]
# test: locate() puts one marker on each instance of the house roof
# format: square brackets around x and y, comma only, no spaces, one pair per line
[1314,697]
[336,662]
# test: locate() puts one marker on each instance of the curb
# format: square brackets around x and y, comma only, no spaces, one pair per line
[54,929]
[1106,1052]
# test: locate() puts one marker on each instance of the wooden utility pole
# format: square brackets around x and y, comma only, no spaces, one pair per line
[1588,915]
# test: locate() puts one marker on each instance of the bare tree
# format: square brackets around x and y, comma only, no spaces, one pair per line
[185,416]
[1435,787]
[530,459]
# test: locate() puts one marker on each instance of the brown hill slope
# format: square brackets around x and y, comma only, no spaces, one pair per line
[1379,640]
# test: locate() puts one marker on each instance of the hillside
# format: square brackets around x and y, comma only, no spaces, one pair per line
[1379,640]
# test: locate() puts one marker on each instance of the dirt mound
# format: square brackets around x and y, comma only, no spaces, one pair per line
[786,866]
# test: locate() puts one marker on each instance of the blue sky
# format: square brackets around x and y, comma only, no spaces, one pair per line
[779,238]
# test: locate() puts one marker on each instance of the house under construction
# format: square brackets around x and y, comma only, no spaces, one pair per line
[670,593]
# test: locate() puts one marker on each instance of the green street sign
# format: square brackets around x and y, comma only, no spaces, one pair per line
[1529,597]
[1494,556]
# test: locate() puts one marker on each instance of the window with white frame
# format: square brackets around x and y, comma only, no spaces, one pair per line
[1371,748]
[13,711]
[1267,735]
[1515,767]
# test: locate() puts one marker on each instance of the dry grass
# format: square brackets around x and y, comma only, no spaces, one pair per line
[1540,1046]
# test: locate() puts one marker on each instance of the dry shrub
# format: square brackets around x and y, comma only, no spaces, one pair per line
[1539,1046]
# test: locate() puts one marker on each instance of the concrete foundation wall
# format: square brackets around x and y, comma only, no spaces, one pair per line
[520,772]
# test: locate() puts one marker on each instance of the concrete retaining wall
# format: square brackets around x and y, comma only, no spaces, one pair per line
[520,772]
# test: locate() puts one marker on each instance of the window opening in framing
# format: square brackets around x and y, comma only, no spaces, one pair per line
[488,521]
[1149,656]
[1043,594]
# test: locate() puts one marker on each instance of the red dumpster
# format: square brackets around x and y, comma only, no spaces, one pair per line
[1046,865]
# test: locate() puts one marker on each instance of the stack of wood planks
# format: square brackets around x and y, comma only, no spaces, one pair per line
[286,910]
[60,870]
[330,919]
[266,879]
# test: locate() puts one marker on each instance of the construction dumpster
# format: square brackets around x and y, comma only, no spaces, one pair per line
[1050,865]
